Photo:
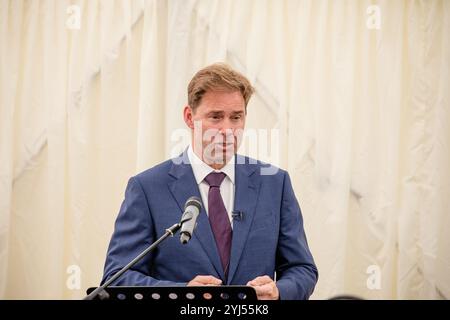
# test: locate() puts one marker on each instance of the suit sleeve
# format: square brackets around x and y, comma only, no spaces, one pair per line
[133,233]
[296,271]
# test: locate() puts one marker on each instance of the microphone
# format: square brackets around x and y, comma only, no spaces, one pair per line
[237,215]
[189,218]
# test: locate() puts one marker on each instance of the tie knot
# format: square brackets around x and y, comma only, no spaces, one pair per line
[214,179]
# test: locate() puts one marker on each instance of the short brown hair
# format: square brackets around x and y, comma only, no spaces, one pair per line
[220,77]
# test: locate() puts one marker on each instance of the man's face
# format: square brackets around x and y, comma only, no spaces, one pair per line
[217,124]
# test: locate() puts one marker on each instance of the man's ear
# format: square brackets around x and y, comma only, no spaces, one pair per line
[188,117]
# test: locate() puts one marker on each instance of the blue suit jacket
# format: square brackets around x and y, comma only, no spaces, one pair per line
[268,239]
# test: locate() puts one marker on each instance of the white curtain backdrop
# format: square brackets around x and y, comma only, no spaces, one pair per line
[352,96]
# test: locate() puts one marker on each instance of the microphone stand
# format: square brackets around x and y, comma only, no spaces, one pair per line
[100,291]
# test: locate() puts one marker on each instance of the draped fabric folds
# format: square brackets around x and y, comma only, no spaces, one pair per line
[352,98]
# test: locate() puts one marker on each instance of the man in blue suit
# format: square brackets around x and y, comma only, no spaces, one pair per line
[250,228]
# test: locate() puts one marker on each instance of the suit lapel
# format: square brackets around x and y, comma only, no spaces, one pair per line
[183,187]
[246,195]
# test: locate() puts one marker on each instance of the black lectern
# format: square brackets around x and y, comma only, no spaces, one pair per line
[180,294]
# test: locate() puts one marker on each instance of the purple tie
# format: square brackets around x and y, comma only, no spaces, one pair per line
[218,218]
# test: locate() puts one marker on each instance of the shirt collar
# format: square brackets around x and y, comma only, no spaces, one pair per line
[201,169]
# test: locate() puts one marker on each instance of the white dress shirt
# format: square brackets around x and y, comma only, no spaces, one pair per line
[201,170]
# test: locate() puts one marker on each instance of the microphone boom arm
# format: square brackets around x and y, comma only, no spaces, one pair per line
[191,211]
